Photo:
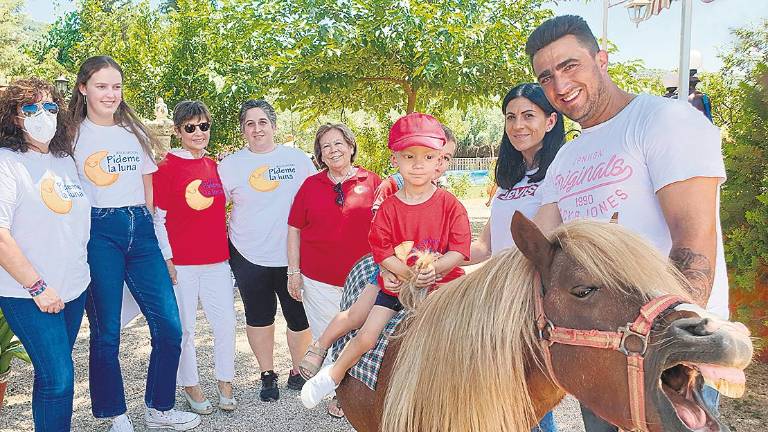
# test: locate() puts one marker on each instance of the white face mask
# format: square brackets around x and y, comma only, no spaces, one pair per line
[41,126]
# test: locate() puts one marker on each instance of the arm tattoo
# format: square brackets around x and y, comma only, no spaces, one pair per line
[697,269]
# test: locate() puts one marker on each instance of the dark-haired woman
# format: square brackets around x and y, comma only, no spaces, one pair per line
[44,229]
[533,133]
[113,152]
[191,226]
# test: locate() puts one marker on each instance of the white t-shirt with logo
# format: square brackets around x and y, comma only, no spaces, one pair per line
[619,165]
[524,197]
[111,163]
[261,187]
[44,207]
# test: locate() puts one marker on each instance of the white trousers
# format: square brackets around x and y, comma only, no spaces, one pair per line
[211,285]
[321,304]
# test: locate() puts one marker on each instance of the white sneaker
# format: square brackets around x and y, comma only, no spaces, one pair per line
[171,419]
[121,423]
[317,388]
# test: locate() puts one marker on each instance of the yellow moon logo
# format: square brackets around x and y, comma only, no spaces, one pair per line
[52,199]
[195,199]
[94,172]
[261,184]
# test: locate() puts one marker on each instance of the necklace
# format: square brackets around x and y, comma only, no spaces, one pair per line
[343,179]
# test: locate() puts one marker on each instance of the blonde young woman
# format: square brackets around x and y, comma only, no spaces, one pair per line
[191,225]
[114,161]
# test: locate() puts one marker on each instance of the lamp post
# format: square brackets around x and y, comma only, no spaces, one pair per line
[62,85]
[638,10]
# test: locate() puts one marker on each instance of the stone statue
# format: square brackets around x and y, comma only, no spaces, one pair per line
[162,128]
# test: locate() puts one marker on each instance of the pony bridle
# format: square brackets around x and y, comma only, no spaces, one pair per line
[639,329]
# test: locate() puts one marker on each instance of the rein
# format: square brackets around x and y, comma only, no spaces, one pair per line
[640,328]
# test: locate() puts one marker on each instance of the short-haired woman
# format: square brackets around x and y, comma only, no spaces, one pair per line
[261,181]
[114,160]
[191,226]
[44,230]
[328,228]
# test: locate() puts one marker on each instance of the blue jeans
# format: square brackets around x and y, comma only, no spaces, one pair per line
[48,339]
[123,248]
[547,424]
[593,423]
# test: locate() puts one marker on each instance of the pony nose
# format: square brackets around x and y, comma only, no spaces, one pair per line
[705,327]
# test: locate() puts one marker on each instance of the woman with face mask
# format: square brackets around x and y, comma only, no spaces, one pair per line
[44,229]
[113,152]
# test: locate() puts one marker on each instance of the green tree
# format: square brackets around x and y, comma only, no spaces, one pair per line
[12,38]
[406,56]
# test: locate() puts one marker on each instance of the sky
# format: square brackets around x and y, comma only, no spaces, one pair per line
[656,41]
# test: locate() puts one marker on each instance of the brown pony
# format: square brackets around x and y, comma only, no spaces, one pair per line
[470,358]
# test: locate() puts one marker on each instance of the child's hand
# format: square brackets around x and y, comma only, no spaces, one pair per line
[391,282]
[426,277]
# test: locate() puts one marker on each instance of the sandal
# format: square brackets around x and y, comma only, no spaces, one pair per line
[334,410]
[312,361]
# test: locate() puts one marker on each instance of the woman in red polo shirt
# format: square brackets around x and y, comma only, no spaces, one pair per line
[328,228]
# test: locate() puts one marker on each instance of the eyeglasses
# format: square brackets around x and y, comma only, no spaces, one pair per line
[29,110]
[339,194]
[190,128]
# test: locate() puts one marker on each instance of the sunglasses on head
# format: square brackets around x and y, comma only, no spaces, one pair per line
[339,194]
[29,110]
[190,128]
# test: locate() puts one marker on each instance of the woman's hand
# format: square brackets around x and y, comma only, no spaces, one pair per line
[426,277]
[295,285]
[171,271]
[49,301]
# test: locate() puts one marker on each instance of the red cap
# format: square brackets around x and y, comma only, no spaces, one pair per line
[416,129]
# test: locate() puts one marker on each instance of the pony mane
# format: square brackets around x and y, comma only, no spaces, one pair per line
[463,360]
[620,259]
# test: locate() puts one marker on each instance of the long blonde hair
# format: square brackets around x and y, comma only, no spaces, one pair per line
[462,363]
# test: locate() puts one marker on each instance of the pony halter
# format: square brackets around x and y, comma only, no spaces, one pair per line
[640,329]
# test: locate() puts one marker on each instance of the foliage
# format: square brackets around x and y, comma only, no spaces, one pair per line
[459,185]
[12,36]
[740,102]
[10,346]
[401,55]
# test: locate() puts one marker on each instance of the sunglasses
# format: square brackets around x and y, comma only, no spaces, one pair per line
[29,110]
[339,194]
[190,128]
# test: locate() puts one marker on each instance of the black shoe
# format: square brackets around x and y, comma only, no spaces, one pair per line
[269,391]
[295,381]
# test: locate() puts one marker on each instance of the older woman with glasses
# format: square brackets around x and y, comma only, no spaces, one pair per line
[328,228]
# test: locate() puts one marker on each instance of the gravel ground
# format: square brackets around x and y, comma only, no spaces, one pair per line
[287,414]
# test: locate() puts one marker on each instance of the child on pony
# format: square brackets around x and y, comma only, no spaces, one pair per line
[418,219]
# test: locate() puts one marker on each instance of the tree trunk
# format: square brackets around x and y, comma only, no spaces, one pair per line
[411,101]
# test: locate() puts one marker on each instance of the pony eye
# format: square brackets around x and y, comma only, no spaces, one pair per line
[583,291]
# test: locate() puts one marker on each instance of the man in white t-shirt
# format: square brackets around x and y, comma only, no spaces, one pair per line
[656,162]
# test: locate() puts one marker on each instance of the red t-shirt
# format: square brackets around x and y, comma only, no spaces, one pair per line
[439,224]
[333,238]
[190,191]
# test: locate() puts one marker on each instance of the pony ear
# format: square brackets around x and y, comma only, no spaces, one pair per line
[531,242]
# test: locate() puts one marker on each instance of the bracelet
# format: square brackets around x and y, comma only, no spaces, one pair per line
[37,288]
[293,270]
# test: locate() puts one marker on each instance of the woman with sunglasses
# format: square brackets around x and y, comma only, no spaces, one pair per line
[113,152]
[261,181]
[44,229]
[328,228]
[191,226]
